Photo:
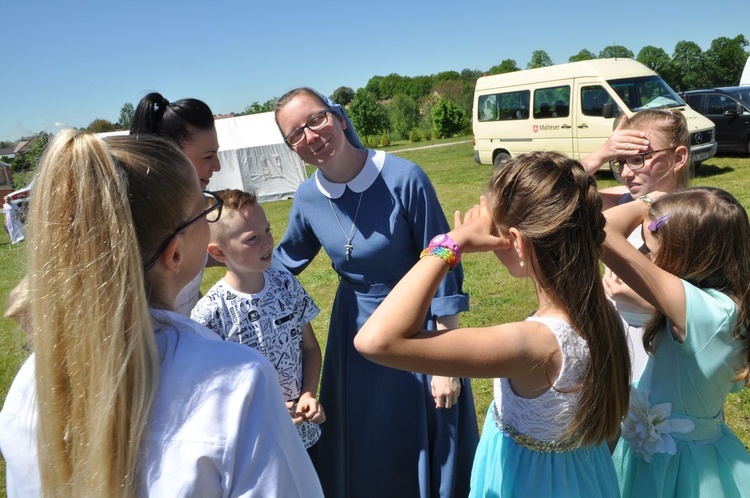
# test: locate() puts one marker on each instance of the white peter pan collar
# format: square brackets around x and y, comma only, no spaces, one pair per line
[360,183]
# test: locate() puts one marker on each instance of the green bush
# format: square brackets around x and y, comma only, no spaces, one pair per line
[447,119]
[21,179]
[385,140]
[428,135]
[414,136]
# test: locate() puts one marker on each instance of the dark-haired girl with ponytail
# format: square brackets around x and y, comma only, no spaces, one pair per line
[189,123]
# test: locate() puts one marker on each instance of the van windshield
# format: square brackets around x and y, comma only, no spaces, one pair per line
[646,92]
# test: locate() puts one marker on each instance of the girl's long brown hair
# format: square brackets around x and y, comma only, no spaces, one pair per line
[556,207]
[706,241]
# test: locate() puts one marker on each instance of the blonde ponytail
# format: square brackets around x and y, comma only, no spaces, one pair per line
[96,357]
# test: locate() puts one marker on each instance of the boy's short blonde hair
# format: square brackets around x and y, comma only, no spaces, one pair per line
[234,199]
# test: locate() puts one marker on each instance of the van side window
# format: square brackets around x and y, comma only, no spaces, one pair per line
[504,106]
[487,107]
[553,102]
[593,99]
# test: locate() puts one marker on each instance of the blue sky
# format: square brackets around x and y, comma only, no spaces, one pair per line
[67,63]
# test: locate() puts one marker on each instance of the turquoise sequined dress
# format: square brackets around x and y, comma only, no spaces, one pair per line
[522,452]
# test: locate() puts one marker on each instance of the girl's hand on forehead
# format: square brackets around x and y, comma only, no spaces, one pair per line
[625,142]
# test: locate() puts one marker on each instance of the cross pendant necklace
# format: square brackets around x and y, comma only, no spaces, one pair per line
[348,247]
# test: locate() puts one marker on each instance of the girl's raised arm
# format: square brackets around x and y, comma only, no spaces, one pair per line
[660,288]
[393,335]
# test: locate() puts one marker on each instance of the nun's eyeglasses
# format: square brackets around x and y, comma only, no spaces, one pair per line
[315,122]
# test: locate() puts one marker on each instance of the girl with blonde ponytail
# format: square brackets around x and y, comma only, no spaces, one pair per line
[561,385]
[122,396]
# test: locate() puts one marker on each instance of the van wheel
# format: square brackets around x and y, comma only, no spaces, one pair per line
[500,159]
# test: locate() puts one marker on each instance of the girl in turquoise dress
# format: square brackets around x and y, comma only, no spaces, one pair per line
[674,440]
[563,380]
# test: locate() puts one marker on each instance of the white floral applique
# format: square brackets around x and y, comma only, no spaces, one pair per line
[648,429]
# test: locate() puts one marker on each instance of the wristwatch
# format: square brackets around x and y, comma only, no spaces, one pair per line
[645,199]
[443,240]
[445,248]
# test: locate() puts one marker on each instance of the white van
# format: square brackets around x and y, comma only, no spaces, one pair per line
[570,108]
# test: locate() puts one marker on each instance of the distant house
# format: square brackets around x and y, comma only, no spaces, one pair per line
[7,152]
[21,147]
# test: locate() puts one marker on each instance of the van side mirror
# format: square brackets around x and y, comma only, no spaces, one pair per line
[608,110]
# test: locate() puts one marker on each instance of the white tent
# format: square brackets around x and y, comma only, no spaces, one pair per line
[253,156]
[745,78]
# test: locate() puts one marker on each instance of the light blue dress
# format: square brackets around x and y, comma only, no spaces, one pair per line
[522,452]
[691,382]
[383,436]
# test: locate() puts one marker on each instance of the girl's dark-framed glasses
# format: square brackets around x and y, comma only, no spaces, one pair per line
[212,214]
[315,122]
[634,162]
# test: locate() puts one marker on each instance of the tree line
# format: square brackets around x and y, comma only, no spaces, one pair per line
[397,107]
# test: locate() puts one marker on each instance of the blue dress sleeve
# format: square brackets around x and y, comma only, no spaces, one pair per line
[428,220]
[299,245]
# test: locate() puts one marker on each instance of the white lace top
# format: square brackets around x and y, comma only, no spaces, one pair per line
[546,417]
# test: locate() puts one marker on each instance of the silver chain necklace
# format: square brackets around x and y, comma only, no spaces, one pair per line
[348,247]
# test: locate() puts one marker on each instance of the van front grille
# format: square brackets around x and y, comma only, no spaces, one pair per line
[701,137]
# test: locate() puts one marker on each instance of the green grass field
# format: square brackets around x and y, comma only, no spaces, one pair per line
[495,296]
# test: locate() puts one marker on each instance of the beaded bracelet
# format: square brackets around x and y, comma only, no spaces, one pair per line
[444,248]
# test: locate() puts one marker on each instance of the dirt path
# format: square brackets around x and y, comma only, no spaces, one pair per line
[430,146]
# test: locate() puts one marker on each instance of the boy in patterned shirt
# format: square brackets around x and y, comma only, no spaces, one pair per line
[264,308]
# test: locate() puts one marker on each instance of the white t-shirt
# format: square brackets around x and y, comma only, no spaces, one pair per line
[269,321]
[218,426]
[190,294]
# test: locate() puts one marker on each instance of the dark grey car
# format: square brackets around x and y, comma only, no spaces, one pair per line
[729,109]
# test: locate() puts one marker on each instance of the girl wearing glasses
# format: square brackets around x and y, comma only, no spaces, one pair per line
[189,123]
[674,440]
[650,152]
[388,432]
[122,396]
